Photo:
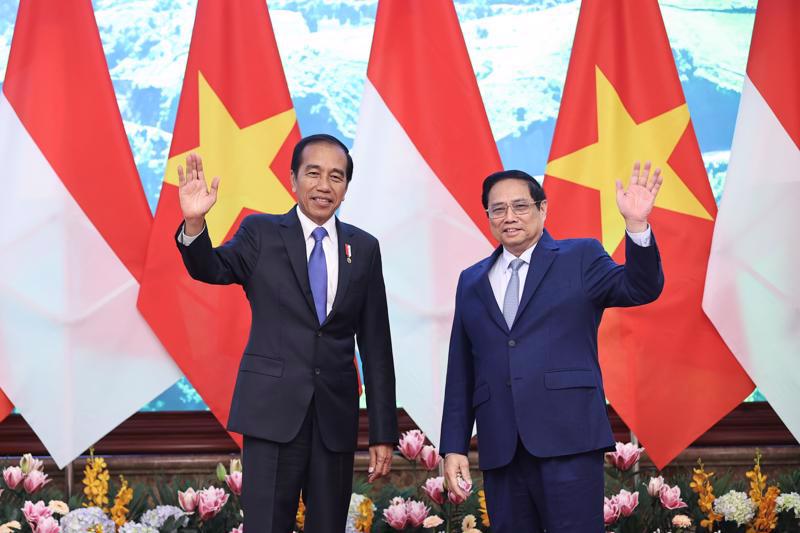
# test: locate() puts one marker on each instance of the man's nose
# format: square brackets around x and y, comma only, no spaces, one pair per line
[324,184]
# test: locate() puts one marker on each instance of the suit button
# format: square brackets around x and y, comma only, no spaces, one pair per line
[317,371]
[512,343]
[319,334]
[508,382]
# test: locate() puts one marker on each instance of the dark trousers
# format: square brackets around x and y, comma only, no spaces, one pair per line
[274,474]
[556,494]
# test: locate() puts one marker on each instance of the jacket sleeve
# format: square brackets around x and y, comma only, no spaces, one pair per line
[232,262]
[458,415]
[639,281]
[375,347]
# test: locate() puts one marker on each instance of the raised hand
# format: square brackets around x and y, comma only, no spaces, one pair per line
[195,196]
[636,202]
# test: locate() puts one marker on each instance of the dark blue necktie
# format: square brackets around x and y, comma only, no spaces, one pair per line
[318,274]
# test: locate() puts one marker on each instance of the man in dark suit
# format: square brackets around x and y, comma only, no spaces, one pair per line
[523,357]
[314,284]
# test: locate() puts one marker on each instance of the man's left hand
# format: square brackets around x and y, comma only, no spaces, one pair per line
[380,461]
[636,202]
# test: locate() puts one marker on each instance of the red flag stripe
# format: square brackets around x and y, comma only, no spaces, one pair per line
[774,63]
[37,84]
[434,119]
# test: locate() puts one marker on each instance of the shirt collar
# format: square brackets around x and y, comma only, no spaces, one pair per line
[309,225]
[507,256]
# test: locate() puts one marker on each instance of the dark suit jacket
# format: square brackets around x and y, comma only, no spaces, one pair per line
[290,358]
[539,382]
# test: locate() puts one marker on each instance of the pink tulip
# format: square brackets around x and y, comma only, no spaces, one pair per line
[34,481]
[627,502]
[13,476]
[47,525]
[625,456]
[434,489]
[671,497]
[416,513]
[188,500]
[239,529]
[35,512]
[654,486]
[234,481]
[396,515]
[429,457]
[610,511]
[411,443]
[464,486]
[210,501]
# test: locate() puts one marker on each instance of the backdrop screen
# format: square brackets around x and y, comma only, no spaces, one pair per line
[519,49]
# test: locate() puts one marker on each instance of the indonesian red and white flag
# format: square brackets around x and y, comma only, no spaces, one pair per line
[423,147]
[752,293]
[76,358]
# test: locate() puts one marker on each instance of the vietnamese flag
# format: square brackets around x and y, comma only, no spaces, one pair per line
[235,111]
[666,370]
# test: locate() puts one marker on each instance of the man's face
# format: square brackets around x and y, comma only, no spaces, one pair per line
[515,232]
[320,183]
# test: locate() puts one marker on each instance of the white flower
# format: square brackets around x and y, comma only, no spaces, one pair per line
[133,527]
[160,514]
[84,519]
[789,502]
[735,507]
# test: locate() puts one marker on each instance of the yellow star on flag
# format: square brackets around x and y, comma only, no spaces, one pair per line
[241,157]
[620,142]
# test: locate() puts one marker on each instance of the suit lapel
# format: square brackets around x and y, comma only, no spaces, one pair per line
[344,235]
[485,290]
[541,259]
[292,235]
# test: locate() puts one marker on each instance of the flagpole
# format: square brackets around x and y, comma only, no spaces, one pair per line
[68,476]
[635,442]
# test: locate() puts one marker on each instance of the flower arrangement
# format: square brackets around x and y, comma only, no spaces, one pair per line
[635,501]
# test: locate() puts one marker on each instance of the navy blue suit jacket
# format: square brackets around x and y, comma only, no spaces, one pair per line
[540,381]
[290,357]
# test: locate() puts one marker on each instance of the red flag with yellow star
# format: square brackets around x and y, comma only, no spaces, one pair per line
[235,111]
[666,370]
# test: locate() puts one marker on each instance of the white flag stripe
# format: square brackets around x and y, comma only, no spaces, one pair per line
[76,358]
[426,240]
[752,292]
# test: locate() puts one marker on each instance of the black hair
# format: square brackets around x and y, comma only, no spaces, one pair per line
[536,190]
[297,153]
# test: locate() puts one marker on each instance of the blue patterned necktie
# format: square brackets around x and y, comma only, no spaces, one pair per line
[511,301]
[318,274]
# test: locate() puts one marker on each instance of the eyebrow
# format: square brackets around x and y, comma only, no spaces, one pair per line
[512,201]
[312,166]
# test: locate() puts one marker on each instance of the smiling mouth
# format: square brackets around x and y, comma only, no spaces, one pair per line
[512,231]
[322,202]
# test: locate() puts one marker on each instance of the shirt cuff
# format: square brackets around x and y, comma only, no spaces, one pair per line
[186,240]
[641,238]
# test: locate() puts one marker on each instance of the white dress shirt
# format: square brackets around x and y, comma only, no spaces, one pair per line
[500,274]
[330,245]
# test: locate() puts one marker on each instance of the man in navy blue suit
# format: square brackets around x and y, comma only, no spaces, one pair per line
[523,357]
[314,284]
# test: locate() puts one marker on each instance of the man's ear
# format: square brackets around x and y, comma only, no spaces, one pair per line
[543,208]
[294,181]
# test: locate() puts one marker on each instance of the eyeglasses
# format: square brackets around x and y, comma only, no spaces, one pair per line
[519,208]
